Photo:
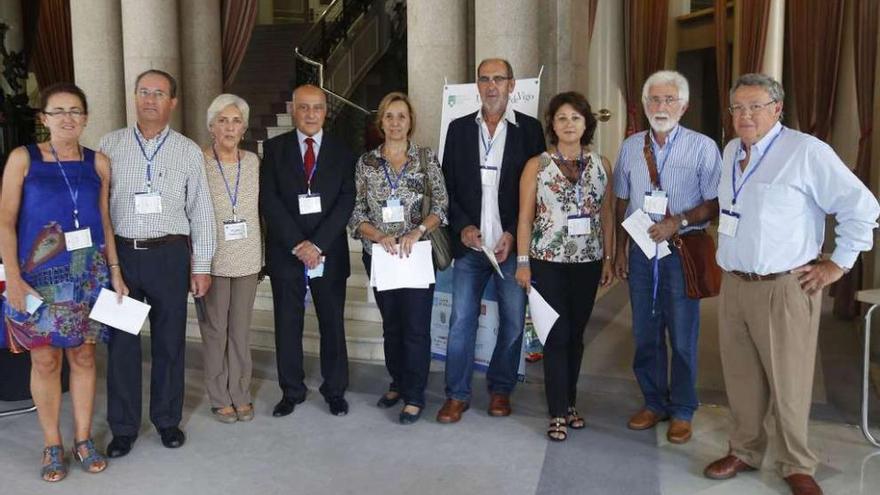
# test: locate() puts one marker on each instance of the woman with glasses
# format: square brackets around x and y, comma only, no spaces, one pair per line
[233,179]
[392,181]
[57,240]
[565,229]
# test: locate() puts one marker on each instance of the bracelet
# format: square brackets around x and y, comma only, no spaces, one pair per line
[609,257]
[422,228]
[522,259]
[114,265]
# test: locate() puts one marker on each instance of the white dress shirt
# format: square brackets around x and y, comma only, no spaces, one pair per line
[782,206]
[490,215]
[303,146]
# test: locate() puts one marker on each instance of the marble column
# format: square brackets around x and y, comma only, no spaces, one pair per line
[96,30]
[774,47]
[607,78]
[564,48]
[10,14]
[433,58]
[151,40]
[201,64]
[508,30]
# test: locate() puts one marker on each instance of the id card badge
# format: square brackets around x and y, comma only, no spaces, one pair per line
[656,202]
[146,203]
[78,239]
[579,225]
[392,212]
[309,204]
[488,175]
[234,230]
[317,271]
[728,223]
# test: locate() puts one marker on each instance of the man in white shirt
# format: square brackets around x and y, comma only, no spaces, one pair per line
[777,186]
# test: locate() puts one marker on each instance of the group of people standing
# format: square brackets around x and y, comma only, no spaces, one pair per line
[155,217]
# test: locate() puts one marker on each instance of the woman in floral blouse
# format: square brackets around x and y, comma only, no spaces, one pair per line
[564,244]
[391,182]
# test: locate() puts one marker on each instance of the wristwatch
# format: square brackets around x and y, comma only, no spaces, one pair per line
[422,228]
[684,221]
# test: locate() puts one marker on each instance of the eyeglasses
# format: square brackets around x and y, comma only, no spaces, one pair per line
[657,101]
[146,93]
[494,79]
[75,113]
[565,119]
[740,110]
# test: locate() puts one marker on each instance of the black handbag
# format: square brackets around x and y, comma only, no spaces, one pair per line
[441,249]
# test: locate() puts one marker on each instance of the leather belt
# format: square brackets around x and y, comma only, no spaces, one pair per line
[144,244]
[754,277]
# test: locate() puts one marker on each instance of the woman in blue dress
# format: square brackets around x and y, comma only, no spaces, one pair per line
[55,222]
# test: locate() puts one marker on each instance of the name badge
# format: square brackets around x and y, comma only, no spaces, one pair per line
[579,225]
[488,175]
[728,223]
[656,202]
[392,212]
[317,271]
[146,203]
[309,204]
[234,230]
[78,239]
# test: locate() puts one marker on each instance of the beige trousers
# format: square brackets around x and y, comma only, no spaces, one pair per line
[768,332]
[225,332]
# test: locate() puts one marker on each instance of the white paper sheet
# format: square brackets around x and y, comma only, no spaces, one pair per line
[492,259]
[2,273]
[637,226]
[128,316]
[32,302]
[393,272]
[543,315]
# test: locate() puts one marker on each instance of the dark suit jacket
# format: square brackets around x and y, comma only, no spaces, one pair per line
[461,168]
[282,180]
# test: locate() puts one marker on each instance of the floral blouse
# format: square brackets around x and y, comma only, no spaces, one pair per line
[556,199]
[373,190]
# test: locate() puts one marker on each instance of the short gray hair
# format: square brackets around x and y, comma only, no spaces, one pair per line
[223,101]
[772,86]
[670,77]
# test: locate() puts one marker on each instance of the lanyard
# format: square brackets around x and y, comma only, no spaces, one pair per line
[737,190]
[487,147]
[74,193]
[578,187]
[314,169]
[662,165]
[150,158]
[393,184]
[233,198]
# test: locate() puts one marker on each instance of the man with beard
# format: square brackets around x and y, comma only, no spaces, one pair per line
[682,199]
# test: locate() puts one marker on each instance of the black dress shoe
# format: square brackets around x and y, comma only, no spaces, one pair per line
[406,418]
[338,406]
[285,406]
[120,445]
[172,437]
[385,401]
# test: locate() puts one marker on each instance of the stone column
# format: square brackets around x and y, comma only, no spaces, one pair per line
[96,29]
[774,47]
[201,63]
[564,48]
[10,14]
[151,40]
[433,58]
[606,78]
[508,30]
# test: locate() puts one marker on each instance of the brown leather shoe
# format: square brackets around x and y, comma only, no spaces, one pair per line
[499,405]
[451,411]
[679,431]
[645,419]
[726,467]
[803,484]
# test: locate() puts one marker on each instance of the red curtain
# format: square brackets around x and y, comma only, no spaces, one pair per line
[51,55]
[753,37]
[239,18]
[644,27]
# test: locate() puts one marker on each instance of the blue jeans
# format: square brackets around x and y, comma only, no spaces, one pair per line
[470,275]
[674,312]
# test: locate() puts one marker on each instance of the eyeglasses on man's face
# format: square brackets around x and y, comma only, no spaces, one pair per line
[75,113]
[158,94]
[656,101]
[494,79]
[751,109]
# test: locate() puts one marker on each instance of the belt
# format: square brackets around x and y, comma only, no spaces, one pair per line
[143,244]
[754,277]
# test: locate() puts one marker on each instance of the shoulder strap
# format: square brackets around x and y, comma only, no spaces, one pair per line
[651,161]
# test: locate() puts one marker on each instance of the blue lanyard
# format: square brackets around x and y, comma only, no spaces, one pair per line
[393,184]
[74,193]
[150,159]
[737,190]
[578,188]
[487,148]
[233,198]
[662,165]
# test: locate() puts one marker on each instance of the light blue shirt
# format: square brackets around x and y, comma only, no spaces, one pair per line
[689,166]
[782,206]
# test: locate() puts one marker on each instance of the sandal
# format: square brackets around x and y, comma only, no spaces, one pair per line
[53,468]
[557,430]
[245,413]
[93,461]
[225,414]
[575,420]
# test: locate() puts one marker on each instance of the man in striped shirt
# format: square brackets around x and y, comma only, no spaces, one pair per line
[164,224]
[684,199]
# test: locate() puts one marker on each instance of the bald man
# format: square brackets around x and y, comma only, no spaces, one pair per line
[306,198]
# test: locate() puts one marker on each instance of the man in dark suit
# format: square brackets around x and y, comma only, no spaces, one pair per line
[483,158]
[306,198]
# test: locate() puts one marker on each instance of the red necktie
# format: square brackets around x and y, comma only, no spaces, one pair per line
[309,158]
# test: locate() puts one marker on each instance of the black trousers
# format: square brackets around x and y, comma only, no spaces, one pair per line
[161,277]
[406,330]
[570,288]
[328,295]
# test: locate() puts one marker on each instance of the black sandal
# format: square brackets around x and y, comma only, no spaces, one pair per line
[575,420]
[557,430]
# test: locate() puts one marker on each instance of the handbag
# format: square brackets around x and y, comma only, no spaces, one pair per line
[702,275]
[441,249]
